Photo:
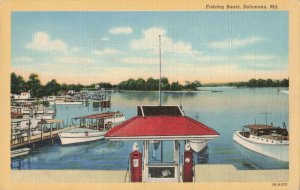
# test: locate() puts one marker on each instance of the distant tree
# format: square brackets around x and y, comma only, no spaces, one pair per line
[105,85]
[51,88]
[140,84]
[131,84]
[18,84]
[252,83]
[122,85]
[34,85]
[165,83]
[284,83]
[152,84]
[175,86]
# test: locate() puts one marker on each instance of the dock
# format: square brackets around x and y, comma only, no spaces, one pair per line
[49,130]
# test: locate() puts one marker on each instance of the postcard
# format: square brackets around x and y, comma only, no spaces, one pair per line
[150,94]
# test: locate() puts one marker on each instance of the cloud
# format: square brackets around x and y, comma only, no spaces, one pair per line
[75,49]
[105,39]
[121,30]
[24,59]
[43,42]
[73,60]
[235,43]
[150,42]
[106,51]
[247,57]
[139,60]
[257,57]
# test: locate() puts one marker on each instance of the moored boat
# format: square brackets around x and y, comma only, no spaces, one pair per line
[267,140]
[19,152]
[91,127]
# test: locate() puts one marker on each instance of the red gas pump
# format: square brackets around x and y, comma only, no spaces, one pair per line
[136,164]
[188,164]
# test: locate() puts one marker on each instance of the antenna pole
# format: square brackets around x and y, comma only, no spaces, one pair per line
[159,86]
[266,113]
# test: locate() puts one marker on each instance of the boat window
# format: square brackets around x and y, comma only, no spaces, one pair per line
[280,141]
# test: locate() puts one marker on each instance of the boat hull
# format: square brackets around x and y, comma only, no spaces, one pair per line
[274,149]
[71,137]
[19,152]
[197,146]
[68,103]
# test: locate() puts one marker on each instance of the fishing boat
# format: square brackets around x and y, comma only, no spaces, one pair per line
[267,140]
[91,127]
[19,152]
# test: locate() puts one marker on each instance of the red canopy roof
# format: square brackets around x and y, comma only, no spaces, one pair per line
[98,115]
[161,128]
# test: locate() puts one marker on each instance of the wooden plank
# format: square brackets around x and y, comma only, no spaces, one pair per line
[40,138]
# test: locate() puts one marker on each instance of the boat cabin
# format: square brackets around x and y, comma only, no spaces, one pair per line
[100,121]
[154,126]
[266,131]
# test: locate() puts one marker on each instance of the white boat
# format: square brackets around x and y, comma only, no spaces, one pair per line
[198,145]
[265,139]
[80,135]
[91,127]
[68,103]
[284,91]
[19,152]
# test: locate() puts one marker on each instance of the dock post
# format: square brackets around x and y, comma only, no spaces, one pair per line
[51,125]
[42,128]
[29,132]
[33,146]
[11,135]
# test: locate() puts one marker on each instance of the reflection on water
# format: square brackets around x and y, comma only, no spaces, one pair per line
[202,156]
[225,112]
[258,161]
[22,162]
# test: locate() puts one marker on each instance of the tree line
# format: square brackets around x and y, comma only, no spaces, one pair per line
[152,84]
[38,90]
[253,83]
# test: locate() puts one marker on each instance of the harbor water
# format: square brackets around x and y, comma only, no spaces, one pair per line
[224,109]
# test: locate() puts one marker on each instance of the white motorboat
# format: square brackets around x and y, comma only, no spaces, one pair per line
[198,145]
[80,135]
[265,139]
[91,127]
[19,152]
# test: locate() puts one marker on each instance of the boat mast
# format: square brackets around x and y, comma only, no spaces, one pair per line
[266,113]
[159,86]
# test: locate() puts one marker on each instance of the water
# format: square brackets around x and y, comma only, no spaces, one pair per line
[224,111]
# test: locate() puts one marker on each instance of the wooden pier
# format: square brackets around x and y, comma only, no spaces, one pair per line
[49,130]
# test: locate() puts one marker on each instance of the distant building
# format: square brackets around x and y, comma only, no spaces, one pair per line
[70,92]
[22,96]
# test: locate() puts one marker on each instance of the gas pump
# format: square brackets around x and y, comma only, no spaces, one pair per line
[188,164]
[135,164]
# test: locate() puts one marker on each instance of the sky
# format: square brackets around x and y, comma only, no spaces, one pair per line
[92,47]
